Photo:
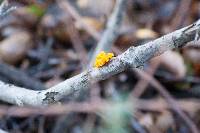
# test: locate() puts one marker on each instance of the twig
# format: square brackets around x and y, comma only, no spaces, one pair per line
[142,83]
[112,25]
[94,33]
[5,8]
[89,107]
[45,52]
[181,14]
[74,36]
[89,123]
[20,77]
[134,57]
[72,11]
[41,125]
[112,29]
[171,101]
[78,45]
[159,105]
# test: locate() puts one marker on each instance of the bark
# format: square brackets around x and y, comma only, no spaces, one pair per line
[134,57]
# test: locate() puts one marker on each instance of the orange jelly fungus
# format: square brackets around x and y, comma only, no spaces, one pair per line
[102,58]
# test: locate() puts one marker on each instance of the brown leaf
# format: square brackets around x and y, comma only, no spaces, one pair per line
[14,48]
[193,55]
[94,23]
[165,121]
[97,7]
[173,62]
[146,34]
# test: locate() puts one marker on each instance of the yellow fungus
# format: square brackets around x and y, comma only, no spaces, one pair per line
[102,58]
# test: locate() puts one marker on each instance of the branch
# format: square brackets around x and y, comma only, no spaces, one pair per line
[134,57]
[112,29]
[170,100]
[86,107]
[157,105]
[3,131]
[5,8]
[24,80]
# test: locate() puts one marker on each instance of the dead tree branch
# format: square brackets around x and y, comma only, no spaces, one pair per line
[134,57]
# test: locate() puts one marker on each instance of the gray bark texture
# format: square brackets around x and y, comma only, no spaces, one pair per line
[133,57]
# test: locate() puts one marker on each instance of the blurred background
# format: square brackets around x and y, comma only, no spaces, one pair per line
[44,42]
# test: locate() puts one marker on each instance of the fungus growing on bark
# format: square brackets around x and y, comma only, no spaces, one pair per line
[102,58]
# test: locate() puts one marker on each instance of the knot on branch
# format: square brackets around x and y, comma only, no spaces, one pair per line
[50,97]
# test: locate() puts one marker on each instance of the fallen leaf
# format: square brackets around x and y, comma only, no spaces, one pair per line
[173,62]
[146,34]
[165,121]
[14,48]
[192,55]
[97,7]
[94,23]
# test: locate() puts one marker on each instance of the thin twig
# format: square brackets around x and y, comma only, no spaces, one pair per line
[73,34]
[89,107]
[20,77]
[171,101]
[142,83]
[112,29]
[181,14]
[72,11]
[157,105]
[187,105]
[77,43]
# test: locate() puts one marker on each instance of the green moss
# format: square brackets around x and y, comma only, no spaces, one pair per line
[36,10]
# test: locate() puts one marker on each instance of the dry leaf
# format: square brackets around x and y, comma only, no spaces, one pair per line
[97,7]
[83,3]
[193,55]
[14,48]
[24,17]
[173,62]
[92,22]
[165,121]
[146,34]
